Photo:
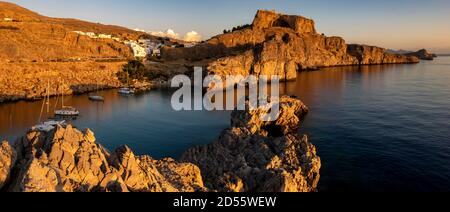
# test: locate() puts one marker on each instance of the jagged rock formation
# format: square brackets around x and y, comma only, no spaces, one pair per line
[251,156]
[260,156]
[280,45]
[69,160]
[422,54]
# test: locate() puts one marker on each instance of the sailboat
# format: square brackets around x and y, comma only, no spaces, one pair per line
[47,126]
[66,110]
[96,97]
[126,90]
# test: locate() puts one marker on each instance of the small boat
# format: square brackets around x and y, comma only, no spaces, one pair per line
[126,91]
[96,98]
[67,111]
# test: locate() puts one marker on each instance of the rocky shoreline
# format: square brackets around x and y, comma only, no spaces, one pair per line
[250,156]
[281,45]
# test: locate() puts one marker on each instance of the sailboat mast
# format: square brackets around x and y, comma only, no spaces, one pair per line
[48,96]
[62,94]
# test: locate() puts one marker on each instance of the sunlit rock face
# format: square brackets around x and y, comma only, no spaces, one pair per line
[68,160]
[250,156]
[257,156]
[277,44]
[7,160]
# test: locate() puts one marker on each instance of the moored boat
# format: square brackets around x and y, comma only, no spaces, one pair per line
[67,111]
[96,98]
[126,91]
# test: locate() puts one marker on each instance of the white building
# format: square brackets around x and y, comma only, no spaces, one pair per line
[138,50]
[91,34]
[104,36]
[156,52]
[189,45]
[8,19]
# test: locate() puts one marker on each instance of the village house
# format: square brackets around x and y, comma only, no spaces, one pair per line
[190,44]
[8,19]
[91,34]
[104,36]
[156,52]
[138,50]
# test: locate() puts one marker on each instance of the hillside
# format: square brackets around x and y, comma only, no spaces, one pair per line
[36,49]
[29,36]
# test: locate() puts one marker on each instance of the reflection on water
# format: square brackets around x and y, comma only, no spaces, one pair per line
[376,128]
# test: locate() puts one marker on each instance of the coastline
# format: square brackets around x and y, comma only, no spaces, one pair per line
[68,160]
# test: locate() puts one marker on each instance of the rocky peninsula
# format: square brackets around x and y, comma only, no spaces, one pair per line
[250,156]
[278,44]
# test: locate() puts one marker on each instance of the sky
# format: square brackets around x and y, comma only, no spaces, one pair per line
[394,24]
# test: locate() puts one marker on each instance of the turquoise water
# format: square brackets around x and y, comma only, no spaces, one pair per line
[376,128]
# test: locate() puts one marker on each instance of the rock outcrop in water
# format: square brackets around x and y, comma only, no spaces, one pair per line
[250,156]
[280,45]
[260,156]
[423,54]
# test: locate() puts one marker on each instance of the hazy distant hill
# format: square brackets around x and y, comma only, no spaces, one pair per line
[29,36]
[401,51]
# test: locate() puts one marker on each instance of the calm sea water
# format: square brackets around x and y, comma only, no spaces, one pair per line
[377,128]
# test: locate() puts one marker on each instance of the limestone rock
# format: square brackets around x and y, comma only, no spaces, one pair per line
[267,19]
[149,175]
[254,156]
[68,160]
[7,160]
[280,45]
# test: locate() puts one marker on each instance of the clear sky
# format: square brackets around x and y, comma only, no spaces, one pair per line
[396,24]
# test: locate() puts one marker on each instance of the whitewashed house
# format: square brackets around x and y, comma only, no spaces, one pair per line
[104,36]
[138,50]
[156,52]
[91,34]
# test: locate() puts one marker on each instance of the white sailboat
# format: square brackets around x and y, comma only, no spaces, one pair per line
[48,125]
[126,90]
[96,97]
[66,110]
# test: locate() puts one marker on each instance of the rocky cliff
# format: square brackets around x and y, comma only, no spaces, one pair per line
[28,81]
[250,156]
[277,44]
[35,49]
[422,54]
